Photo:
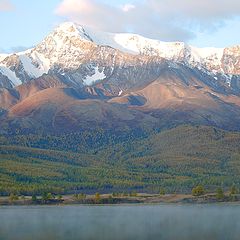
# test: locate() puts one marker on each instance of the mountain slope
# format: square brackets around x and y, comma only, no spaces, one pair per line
[178,96]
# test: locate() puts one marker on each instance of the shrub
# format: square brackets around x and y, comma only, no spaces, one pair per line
[198,191]
[219,193]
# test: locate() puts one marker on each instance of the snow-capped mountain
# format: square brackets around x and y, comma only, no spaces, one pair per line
[84,56]
[78,78]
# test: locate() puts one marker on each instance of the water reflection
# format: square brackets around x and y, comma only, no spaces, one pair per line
[168,222]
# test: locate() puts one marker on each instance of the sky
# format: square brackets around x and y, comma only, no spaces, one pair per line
[202,23]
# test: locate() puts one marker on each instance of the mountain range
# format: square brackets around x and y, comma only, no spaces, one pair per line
[97,90]
[77,78]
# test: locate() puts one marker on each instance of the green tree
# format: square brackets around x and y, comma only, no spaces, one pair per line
[49,196]
[133,194]
[198,191]
[75,196]
[82,196]
[46,197]
[233,190]
[125,194]
[34,198]
[97,197]
[13,197]
[219,193]
[59,197]
[162,191]
[110,199]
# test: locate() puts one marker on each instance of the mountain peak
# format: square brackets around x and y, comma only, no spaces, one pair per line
[67,25]
[71,29]
[70,45]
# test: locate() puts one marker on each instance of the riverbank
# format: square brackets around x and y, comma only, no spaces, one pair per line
[139,198]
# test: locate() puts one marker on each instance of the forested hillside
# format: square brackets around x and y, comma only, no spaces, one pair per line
[175,159]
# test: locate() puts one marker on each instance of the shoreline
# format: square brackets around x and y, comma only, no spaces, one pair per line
[108,199]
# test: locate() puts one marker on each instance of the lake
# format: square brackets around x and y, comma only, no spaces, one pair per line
[120,222]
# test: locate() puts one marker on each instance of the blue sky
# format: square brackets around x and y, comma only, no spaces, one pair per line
[24,23]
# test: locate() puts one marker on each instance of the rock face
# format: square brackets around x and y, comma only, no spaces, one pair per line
[231,60]
[80,79]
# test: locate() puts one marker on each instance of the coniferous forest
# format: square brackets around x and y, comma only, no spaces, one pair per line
[175,160]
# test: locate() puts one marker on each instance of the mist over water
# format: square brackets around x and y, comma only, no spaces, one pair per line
[135,222]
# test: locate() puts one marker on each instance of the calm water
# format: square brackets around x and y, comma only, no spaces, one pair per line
[136,222]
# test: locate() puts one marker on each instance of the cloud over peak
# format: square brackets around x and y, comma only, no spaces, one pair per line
[128,7]
[168,20]
[6,6]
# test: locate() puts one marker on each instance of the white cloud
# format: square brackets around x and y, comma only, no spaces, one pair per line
[164,19]
[128,7]
[5,6]
[92,13]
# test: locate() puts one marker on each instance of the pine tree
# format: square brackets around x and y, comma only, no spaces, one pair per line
[219,193]
[97,197]
[34,198]
[233,190]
